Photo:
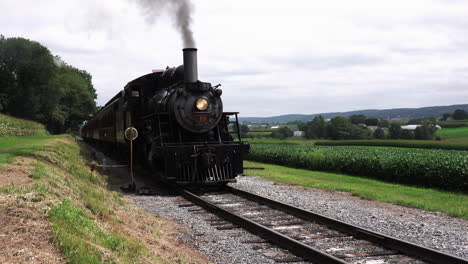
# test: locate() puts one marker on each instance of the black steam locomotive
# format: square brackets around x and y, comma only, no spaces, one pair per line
[184,135]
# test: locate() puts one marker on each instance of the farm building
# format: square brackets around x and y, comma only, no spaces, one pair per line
[298,133]
[413,127]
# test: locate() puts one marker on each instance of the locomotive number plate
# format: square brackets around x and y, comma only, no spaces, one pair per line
[201,118]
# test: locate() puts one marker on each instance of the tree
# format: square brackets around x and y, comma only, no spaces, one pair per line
[445,116]
[383,123]
[282,133]
[315,128]
[406,134]
[394,131]
[371,122]
[359,132]
[426,131]
[244,130]
[303,126]
[27,70]
[460,114]
[357,119]
[415,121]
[339,128]
[38,86]
[379,133]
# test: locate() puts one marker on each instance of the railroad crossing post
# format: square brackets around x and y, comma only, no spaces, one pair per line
[131,134]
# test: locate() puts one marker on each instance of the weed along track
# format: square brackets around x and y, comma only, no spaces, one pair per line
[303,235]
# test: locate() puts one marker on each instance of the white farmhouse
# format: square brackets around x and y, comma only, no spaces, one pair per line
[298,133]
[410,127]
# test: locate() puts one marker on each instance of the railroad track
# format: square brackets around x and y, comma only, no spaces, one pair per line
[308,236]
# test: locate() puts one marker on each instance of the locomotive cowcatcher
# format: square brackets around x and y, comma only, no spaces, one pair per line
[184,135]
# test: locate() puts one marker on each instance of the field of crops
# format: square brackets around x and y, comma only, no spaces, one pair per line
[10,126]
[259,134]
[457,134]
[443,169]
[427,144]
[453,123]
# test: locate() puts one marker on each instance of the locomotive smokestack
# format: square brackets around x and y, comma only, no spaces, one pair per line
[190,65]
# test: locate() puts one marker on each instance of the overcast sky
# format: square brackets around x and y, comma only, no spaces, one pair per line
[271,57]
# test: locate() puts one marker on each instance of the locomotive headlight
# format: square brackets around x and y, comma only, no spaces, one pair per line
[201,104]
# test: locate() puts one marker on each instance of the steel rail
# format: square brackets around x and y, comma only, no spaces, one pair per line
[298,248]
[421,252]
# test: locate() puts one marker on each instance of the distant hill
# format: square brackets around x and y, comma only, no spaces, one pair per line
[436,111]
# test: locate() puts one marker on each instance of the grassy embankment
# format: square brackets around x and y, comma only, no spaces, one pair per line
[11,126]
[452,204]
[89,223]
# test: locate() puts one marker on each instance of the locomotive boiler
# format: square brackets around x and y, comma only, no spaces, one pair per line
[184,135]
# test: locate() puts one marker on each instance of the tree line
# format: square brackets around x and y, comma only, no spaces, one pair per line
[355,127]
[458,114]
[36,85]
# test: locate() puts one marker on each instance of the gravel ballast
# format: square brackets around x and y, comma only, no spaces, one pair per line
[220,246]
[430,229]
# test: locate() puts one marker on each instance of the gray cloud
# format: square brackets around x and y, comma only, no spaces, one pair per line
[324,62]
[316,58]
[217,73]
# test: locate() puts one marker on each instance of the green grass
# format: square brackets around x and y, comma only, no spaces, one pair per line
[39,172]
[74,229]
[75,226]
[13,146]
[79,226]
[453,123]
[455,134]
[452,204]
[11,126]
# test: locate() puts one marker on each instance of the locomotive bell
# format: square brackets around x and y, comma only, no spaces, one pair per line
[190,65]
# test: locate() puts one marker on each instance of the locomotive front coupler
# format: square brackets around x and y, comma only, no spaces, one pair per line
[205,158]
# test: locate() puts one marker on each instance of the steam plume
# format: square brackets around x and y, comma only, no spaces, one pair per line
[181,12]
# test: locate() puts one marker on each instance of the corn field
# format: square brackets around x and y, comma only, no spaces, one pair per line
[442,169]
[427,144]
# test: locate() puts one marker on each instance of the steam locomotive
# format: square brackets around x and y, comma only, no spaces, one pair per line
[184,135]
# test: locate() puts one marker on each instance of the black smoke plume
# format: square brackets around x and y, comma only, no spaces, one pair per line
[179,10]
